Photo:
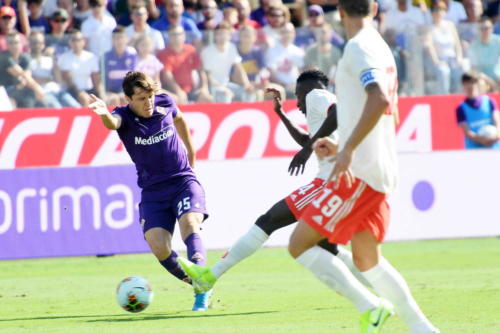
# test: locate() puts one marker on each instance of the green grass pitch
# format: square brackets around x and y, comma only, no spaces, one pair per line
[456,282]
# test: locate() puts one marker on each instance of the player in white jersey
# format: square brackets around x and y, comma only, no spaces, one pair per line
[319,106]
[353,206]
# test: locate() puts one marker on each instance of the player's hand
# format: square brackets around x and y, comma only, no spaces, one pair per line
[98,106]
[342,170]
[276,95]
[325,147]
[298,163]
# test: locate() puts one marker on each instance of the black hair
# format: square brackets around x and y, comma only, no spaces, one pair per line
[356,8]
[37,2]
[313,75]
[470,77]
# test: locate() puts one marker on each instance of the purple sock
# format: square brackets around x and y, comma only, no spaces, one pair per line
[174,268]
[195,250]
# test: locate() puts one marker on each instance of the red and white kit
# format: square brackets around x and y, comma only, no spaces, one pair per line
[318,103]
[338,214]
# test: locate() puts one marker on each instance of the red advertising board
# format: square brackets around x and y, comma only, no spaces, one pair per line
[71,137]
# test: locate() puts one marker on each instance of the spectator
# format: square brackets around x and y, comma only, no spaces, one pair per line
[474,10]
[322,54]
[445,51]
[47,75]
[80,70]
[117,62]
[7,25]
[404,18]
[400,57]
[191,10]
[230,15]
[219,60]
[126,18]
[253,62]
[259,13]
[37,21]
[15,75]
[285,60]
[97,29]
[243,9]
[69,6]
[209,11]
[146,60]
[81,12]
[484,53]
[475,112]
[123,8]
[57,41]
[468,30]
[455,11]
[277,17]
[139,26]
[181,62]
[307,35]
[173,15]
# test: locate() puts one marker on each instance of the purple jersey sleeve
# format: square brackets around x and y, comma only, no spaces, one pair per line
[120,110]
[166,101]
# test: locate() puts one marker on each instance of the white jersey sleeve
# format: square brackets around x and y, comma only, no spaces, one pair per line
[318,102]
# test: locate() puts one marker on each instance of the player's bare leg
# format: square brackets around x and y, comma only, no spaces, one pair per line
[160,240]
[387,281]
[189,225]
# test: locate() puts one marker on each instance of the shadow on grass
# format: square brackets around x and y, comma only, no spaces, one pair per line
[178,316]
[131,317]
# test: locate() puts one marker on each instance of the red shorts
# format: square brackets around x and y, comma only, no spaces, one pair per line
[339,214]
[300,198]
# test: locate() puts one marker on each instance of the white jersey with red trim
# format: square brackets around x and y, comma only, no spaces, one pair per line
[318,101]
[368,59]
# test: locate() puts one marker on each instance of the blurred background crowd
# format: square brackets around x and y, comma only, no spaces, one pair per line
[55,53]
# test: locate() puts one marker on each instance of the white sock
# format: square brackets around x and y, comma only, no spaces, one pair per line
[244,247]
[334,273]
[389,284]
[346,256]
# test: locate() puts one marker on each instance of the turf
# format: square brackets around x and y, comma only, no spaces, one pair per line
[456,282]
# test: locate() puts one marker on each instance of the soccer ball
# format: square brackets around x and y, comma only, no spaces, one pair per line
[488,132]
[134,294]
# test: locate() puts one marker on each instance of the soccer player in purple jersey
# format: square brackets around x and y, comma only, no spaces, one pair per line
[151,128]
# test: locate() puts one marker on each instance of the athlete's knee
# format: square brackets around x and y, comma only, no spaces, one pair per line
[274,219]
[363,262]
[160,249]
[265,223]
[189,223]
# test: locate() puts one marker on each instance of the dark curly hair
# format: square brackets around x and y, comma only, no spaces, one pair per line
[314,75]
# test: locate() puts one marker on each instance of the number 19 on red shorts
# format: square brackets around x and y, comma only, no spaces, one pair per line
[340,213]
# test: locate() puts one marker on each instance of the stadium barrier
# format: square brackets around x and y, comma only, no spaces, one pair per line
[73,209]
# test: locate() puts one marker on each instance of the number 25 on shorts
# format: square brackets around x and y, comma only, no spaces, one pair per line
[183,205]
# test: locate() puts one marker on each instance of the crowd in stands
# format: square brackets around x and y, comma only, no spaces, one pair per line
[55,53]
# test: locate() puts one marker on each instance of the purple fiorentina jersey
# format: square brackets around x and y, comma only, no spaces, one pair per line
[154,145]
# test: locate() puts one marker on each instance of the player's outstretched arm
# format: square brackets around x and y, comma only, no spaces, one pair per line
[183,130]
[97,105]
[300,135]
[299,161]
